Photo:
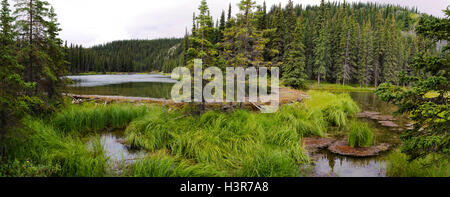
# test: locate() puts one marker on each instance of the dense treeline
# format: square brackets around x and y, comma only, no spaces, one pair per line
[426,100]
[31,63]
[126,56]
[361,43]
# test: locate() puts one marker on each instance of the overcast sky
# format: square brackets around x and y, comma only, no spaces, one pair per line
[91,22]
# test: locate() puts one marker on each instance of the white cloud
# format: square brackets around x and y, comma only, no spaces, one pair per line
[91,22]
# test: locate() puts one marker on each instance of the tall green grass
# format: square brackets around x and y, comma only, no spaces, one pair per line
[398,166]
[43,151]
[243,143]
[55,147]
[360,135]
[270,163]
[337,87]
[169,166]
[240,143]
[86,118]
[335,107]
[234,142]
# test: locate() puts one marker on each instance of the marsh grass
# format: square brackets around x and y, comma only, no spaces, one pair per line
[51,153]
[240,143]
[336,108]
[360,135]
[398,166]
[88,117]
[337,87]
[170,166]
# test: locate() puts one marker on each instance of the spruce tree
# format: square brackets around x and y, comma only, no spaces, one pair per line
[278,41]
[202,39]
[57,63]
[430,114]
[295,61]
[365,62]
[244,44]
[378,49]
[40,51]
[290,24]
[13,102]
[221,26]
[391,69]
[321,48]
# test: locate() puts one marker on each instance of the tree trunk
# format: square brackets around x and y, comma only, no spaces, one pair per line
[318,79]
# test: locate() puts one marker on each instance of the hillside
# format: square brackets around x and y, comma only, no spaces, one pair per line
[126,56]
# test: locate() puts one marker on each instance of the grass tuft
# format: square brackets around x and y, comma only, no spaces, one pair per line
[360,135]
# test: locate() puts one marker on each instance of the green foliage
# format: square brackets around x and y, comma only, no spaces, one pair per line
[240,143]
[337,87]
[127,56]
[358,43]
[226,141]
[169,166]
[202,41]
[398,165]
[430,115]
[13,103]
[294,68]
[243,44]
[42,151]
[360,135]
[323,100]
[270,163]
[88,118]
[40,52]
[321,42]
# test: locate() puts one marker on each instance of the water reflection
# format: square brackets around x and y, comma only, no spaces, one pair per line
[118,154]
[102,80]
[134,89]
[329,164]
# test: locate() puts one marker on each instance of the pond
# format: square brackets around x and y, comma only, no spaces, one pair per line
[119,155]
[329,164]
[140,85]
[326,163]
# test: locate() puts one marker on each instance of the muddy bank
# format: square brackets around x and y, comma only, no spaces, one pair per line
[287,96]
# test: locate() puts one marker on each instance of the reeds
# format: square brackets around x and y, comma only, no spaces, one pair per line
[335,107]
[54,153]
[430,166]
[87,118]
[169,166]
[360,135]
[240,143]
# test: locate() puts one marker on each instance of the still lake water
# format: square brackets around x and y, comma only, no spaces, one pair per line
[153,86]
[329,164]
[326,163]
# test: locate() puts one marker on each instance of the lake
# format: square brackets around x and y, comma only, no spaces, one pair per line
[140,85]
